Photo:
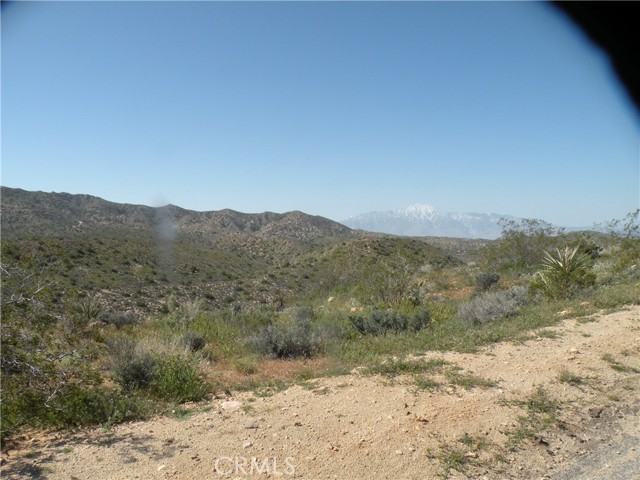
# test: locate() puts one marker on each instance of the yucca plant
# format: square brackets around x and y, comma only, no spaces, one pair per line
[564,272]
[88,308]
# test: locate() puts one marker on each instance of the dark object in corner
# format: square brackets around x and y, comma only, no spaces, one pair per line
[614,27]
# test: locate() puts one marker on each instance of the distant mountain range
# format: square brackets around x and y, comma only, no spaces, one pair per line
[42,213]
[424,220]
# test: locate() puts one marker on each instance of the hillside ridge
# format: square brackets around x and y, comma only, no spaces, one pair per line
[50,213]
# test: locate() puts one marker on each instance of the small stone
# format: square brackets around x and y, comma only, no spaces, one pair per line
[398,452]
[247,445]
[250,424]
[230,405]
[161,467]
[595,412]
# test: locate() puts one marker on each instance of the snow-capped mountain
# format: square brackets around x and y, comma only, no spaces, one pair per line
[424,220]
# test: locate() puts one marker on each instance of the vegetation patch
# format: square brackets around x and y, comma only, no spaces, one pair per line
[379,322]
[468,380]
[289,337]
[564,272]
[565,376]
[493,306]
[392,368]
[541,414]
[97,328]
[617,365]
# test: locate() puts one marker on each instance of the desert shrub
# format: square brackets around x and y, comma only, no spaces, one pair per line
[165,376]
[287,337]
[176,379]
[521,245]
[74,405]
[43,365]
[587,246]
[132,367]
[390,281]
[486,280]
[301,313]
[182,315]
[119,320]
[379,322]
[625,236]
[493,306]
[193,341]
[563,273]
[83,407]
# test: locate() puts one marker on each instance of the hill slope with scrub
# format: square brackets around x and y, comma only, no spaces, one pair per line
[116,313]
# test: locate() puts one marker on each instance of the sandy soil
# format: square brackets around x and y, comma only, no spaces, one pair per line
[365,427]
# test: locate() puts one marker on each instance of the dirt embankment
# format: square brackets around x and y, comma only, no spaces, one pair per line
[564,405]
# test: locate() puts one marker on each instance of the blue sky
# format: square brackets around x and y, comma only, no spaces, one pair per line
[331,108]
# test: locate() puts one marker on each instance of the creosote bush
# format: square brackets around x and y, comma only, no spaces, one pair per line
[493,306]
[521,245]
[379,322]
[625,235]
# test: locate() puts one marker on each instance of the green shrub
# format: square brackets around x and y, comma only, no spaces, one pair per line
[486,280]
[193,341]
[625,236]
[521,245]
[492,306]
[44,364]
[132,368]
[182,315]
[164,376]
[119,320]
[563,273]
[288,337]
[94,406]
[74,405]
[379,322]
[176,379]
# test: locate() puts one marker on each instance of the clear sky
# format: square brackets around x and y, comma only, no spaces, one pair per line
[331,108]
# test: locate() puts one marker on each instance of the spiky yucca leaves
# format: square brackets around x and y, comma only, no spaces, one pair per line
[563,273]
